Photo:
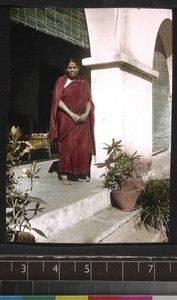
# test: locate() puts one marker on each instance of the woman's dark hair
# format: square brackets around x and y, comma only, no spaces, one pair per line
[71,59]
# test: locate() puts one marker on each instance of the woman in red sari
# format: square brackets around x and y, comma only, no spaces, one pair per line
[72,124]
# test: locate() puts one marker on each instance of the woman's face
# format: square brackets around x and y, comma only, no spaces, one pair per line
[72,70]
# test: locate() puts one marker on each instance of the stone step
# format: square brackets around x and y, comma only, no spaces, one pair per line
[95,228]
[108,226]
[81,212]
[135,232]
[70,214]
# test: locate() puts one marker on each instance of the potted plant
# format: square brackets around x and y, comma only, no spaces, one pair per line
[20,207]
[154,204]
[122,176]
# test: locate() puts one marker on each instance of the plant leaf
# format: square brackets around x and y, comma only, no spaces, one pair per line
[36,200]
[39,232]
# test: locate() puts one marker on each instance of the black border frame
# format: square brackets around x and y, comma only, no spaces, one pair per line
[150,249]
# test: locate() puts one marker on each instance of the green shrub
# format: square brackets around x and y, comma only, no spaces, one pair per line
[118,165]
[21,208]
[154,203]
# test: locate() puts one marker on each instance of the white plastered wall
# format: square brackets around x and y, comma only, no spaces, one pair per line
[122,45]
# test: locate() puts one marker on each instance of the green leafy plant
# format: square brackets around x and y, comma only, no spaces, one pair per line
[154,204]
[31,173]
[20,207]
[19,212]
[119,166]
[15,151]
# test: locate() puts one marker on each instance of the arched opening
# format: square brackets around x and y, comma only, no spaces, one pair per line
[162,89]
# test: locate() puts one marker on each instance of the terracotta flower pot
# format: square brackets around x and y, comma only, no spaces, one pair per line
[124,199]
[133,183]
[25,237]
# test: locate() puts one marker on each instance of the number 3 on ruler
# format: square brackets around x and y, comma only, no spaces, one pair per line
[23,268]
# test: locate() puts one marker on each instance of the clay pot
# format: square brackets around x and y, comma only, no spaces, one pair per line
[25,237]
[124,199]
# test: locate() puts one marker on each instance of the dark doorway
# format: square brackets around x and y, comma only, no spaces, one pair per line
[47,77]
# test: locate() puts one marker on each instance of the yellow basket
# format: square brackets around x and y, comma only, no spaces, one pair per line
[39,140]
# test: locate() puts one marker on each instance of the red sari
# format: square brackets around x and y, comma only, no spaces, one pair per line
[75,141]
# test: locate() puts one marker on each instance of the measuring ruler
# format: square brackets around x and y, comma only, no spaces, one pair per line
[63,269]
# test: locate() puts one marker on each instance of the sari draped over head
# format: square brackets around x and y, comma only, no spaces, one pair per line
[76,143]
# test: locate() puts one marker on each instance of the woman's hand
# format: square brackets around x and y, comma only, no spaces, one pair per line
[83,117]
[76,118]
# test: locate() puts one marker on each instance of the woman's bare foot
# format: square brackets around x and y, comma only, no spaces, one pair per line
[64,180]
[86,179]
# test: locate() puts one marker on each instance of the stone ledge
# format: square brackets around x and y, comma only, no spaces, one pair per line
[120,58]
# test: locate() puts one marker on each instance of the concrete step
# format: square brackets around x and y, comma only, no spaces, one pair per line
[49,188]
[133,232]
[95,228]
[65,205]
[81,212]
[108,226]
[71,213]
